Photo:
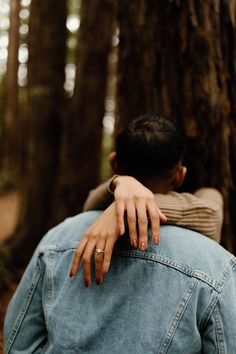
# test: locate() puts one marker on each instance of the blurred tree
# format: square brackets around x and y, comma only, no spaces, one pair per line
[11,111]
[81,154]
[47,53]
[175,59]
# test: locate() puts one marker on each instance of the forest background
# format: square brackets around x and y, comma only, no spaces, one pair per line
[73,72]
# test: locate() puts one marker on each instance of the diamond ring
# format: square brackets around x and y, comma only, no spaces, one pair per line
[99,250]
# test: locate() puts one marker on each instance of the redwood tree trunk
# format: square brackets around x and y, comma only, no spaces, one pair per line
[11,112]
[182,73]
[83,133]
[47,51]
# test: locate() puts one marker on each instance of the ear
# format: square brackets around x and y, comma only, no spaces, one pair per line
[113,161]
[179,176]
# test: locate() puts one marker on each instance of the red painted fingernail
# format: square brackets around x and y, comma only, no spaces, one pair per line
[104,271]
[142,246]
[98,281]
[72,273]
[134,244]
[86,283]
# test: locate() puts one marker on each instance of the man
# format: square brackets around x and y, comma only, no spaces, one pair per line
[175,298]
[151,149]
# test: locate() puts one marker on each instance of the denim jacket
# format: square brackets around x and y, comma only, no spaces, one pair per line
[176,298]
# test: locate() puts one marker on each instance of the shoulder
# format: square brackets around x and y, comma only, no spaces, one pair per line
[68,233]
[197,253]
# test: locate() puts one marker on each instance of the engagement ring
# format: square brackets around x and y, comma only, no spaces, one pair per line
[99,250]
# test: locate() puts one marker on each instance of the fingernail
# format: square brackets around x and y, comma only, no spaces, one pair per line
[86,283]
[134,244]
[104,271]
[156,240]
[122,231]
[142,246]
[72,274]
[98,281]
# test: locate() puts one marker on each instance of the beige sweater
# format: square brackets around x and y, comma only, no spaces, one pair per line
[201,211]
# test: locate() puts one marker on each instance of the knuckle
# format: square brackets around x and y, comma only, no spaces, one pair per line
[143,221]
[87,235]
[85,260]
[93,235]
[106,259]
[77,253]
[131,219]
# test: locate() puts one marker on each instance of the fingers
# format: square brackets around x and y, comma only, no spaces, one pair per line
[107,254]
[88,253]
[163,218]
[120,209]
[98,261]
[131,218]
[155,222]
[77,257]
[142,226]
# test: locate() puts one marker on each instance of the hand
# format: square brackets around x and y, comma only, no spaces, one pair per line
[135,199]
[102,234]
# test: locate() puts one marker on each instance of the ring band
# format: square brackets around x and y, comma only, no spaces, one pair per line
[99,250]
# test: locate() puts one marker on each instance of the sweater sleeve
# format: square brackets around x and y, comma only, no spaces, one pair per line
[201,211]
[99,198]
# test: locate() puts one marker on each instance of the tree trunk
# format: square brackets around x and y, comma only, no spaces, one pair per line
[181,73]
[11,113]
[47,52]
[83,132]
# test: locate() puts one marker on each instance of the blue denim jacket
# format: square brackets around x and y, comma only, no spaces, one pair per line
[176,298]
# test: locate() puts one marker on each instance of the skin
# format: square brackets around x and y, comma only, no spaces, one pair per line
[138,202]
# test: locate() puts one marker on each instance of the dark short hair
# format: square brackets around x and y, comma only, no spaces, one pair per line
[150,146]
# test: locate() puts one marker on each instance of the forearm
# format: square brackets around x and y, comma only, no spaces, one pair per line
[99,198]
[202,212]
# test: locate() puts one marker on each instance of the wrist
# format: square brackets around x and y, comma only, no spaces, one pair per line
[112,185]
[122,180]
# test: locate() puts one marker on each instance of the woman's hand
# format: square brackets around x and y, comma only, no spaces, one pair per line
[137,201]
[132,198]
[101,236]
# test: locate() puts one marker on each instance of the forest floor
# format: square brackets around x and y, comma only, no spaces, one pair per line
[9,208]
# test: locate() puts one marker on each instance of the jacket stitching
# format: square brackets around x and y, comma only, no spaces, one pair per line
[178,315]
[219,332]
[24,309]
[49,284]
[182,268]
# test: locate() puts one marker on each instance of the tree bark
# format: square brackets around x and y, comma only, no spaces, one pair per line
[176,50]
[11,111]
[83,132]
[47,52]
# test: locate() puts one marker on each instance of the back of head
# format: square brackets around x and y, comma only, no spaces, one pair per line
[151,146]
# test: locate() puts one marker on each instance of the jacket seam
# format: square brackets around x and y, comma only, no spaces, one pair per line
[219,331]
[225,276]
[23,310]
[49,274]
[217,286]
[177,317]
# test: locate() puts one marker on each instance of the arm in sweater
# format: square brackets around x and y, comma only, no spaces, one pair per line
[201,211]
